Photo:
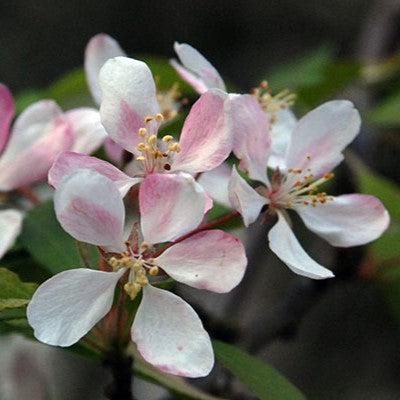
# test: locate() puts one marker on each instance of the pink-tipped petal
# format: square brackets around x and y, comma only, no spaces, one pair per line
[68,162]
[68,305]
[99,49]
[321,135]
[281,133]
[87,130]
[89,207]
[7,111]
[195,82]
[347,220]
[206,139]
[252,138]
[170,206]
[39,135]
[129,96]
[170,335]
[114,151]
[10,228]
[195,63]
[244,198]
[212,260]
[284,244]
[215,183]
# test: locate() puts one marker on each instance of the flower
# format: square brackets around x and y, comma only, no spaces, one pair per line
[196,70]
[30,146]
[101,48]
[166,330]
[315,148]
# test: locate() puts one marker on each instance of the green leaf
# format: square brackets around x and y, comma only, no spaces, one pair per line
[263,380]
[11,287]
[12,303]
[387,112]
[174,384]
[48,243]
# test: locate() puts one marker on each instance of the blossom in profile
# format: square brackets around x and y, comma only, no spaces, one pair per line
[166,330]
[314,150]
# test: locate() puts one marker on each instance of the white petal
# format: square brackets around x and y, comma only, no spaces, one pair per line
[321,135]
[10,228]
[213,260]
[68,305]
[252,137]
[99,49]
[285,245]
[129,95]
[88,132]
[199,65]
[89,207]
[281,133]
[170,206]
[347,220]
[244,198]
[68,162]
[215,183]
[170,335]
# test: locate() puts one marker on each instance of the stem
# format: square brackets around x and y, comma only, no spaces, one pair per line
[83,251]
[121,367]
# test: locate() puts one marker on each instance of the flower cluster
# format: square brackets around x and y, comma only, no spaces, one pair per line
[149,219]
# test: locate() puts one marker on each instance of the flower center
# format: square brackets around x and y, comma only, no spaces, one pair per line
[272,104]
[296,187]
[155,155]
[139,265]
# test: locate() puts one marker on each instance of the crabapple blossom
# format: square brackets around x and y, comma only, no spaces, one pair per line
[167,331]
[315,148]
[30,146]
[196,70]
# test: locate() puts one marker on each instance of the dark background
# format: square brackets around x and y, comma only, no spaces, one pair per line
[346,346]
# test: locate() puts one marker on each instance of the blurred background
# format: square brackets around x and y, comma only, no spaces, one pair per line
[334,340]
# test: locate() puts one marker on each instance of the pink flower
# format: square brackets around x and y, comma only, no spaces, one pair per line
[166,330]
[198,72]
[315,148]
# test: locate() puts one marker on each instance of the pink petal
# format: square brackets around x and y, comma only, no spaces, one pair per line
[68,305]
[206,139]
[321,135]
[39,135]
[99,49]
[170,335]
[195,82]
[252,138]
[215,183]
[347,220]
[244,198]
[68,163]
[7,111]
[285,245]
[213,260]
[89,207]
[10,228]
[170,206]
[88,132]
[129,95]
[199,66]
[114,151]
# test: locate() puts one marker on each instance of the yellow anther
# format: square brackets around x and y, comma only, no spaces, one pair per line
[141,158]
[141,146]
[142,132]
[148,119]
[159,117]
[152,140]
[145,246]
[167,138]
[153,271]
[142,280]
[175,147]
[138,265]
[132,289]
[328,176]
